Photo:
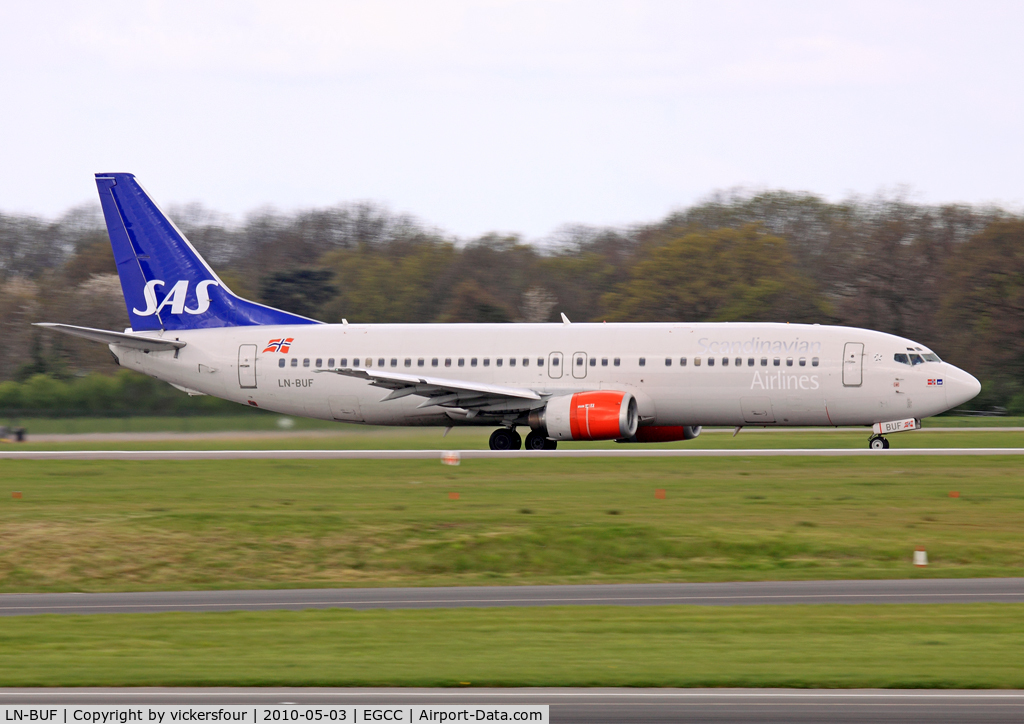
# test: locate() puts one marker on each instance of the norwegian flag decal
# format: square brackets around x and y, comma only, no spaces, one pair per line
[935,383]
[283,345]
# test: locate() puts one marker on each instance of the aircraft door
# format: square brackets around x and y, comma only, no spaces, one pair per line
[247,366]
[555,365]
[853,364]
[579,365]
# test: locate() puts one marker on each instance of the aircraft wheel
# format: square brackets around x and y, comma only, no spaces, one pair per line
[550,444]
[517,442]
[878,443]
[536,441]
[504,439]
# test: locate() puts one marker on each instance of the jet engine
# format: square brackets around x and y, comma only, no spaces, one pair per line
[597,415]
[664,433]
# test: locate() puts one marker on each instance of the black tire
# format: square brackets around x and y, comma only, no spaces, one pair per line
[502,439]
[536,441]
[878,443]
[517,442]
[550,444]
[885,442]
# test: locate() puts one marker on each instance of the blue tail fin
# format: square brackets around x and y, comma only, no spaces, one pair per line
[166,284]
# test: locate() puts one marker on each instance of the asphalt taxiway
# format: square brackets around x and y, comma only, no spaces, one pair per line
[938,590]
[485,454]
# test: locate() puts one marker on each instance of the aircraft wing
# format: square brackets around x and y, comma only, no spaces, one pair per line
[473,396]
[135,341]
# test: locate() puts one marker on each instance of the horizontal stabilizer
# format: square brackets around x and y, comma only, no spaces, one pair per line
[124,339]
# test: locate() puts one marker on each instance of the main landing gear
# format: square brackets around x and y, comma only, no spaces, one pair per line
[877,442]
[505,439]
[508,439]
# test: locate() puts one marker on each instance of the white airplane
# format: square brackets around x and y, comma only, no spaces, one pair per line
[564,381]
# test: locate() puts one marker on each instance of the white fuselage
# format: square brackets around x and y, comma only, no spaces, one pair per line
[734,373]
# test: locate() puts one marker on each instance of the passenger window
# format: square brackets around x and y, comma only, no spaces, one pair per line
[472,362]
[526,361]
[369,362]
[380,362]
[280,362]
[421,362]
[579,361]
[511,361]
[668,361]
[814,361]
[711,361]
[462,361]
[355,362]
[305,362]
[643,361]
[739,362]
[593,361]
[615,362]
[330,362]
[789,361]
[319,362]
[750,362]
[776,362]
[803,361]
[764,361]
[433,363]
[604,361]
[447,361]
[295,362]
[540,361]
[343,362]
[487,361]
[408,362]
[682,361]
[497,362]
[555,361]
[696,361]
[725,361]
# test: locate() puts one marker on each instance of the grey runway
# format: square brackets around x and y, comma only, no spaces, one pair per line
[483,454]
[602,706]
[960,590]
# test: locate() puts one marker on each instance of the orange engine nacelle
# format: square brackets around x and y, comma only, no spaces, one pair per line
[598,415]
[665,433]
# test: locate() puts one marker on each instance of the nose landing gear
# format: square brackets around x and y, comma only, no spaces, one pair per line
[505,439]
[877,442]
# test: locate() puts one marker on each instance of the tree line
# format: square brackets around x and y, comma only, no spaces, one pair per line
[950,276]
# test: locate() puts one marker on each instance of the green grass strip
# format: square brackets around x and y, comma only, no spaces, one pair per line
[109,526]
[904,646]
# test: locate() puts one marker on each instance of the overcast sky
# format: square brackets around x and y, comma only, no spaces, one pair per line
[509,116]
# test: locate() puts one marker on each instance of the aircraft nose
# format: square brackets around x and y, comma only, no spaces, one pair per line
[961,387]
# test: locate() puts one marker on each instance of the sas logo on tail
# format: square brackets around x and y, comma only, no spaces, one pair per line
[176,297]
[935,382]
[279,345]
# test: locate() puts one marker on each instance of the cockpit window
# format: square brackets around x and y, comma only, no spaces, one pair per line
[901,358]
[931,357]
[916,359]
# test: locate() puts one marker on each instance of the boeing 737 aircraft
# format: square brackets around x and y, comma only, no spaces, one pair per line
[563,381]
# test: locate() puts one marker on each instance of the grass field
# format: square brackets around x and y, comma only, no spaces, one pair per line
[100,526]
[911,646]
